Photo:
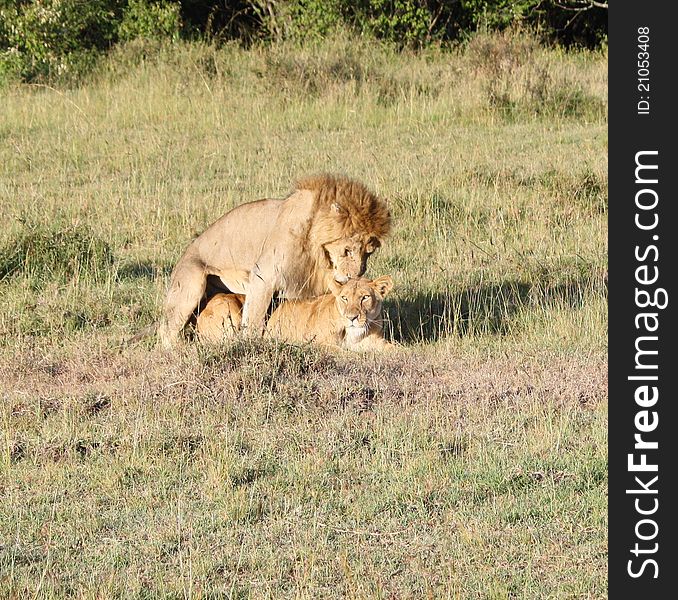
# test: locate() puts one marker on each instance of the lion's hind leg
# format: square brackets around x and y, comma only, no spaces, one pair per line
[187,286]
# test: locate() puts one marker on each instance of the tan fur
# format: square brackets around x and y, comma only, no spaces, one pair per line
[349,317]
[220,318]
[325,230]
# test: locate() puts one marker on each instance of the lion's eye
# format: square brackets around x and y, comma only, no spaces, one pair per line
[344,299]
[365,298]
[348,252]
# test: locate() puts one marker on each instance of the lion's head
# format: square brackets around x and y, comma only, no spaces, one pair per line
[349,224]
[348,256]
[359,303]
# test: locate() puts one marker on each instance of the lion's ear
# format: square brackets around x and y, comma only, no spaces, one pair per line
[372,244]
[337,209]
[382,285]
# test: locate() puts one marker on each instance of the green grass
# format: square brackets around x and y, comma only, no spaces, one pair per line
[471,463]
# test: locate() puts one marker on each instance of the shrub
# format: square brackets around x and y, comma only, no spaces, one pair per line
[415,23]
[405,22]
[150,21]
[61,40]
[54,39]
[52,253]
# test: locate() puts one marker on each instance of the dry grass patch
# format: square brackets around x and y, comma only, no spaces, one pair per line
[401,475]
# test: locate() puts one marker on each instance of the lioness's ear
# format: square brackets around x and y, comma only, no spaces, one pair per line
[338,209]
[382,285]
[335,287]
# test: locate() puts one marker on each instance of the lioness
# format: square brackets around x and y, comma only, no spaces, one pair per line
[220,318]
[349,317]
[324,231]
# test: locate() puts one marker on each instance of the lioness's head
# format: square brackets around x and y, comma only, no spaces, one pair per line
[359,302]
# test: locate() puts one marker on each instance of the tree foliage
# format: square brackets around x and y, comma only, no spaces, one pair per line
[61,39]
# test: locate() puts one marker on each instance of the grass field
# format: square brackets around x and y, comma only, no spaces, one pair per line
[471,463]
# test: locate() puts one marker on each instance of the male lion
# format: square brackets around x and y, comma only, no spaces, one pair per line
[349,317]
[325,230]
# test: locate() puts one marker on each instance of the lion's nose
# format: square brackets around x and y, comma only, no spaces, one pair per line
[353,319]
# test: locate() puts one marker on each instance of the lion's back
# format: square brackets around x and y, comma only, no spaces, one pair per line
[245,227]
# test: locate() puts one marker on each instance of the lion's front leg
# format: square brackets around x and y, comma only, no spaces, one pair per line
[257,300]
[373,343]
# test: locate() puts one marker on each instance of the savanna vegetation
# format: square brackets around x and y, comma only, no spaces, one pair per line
[64,40]
[469,463]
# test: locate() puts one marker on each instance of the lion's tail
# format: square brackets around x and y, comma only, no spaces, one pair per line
[146,332]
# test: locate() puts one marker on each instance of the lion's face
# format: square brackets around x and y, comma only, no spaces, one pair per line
[359,303]
[348,256]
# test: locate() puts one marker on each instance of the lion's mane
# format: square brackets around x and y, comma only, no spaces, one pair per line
[342,207]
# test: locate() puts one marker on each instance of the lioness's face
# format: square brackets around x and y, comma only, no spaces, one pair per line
[348,256]
[359,302]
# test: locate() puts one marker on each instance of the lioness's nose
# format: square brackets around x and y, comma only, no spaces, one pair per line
[352,318]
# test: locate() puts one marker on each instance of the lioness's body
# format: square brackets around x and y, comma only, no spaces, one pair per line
[349,317]
[220,318]
[324,230]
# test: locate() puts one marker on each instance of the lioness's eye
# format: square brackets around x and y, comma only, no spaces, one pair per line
[344,299]
[366,298]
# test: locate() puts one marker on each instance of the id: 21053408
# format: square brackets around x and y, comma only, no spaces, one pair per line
[643,70]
